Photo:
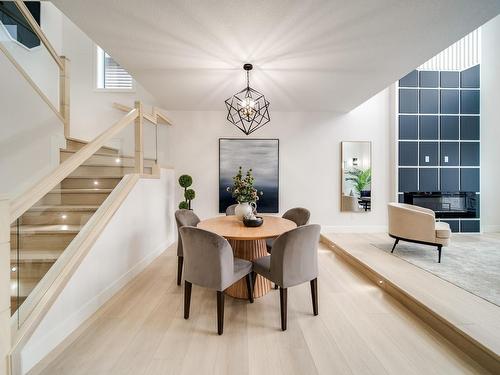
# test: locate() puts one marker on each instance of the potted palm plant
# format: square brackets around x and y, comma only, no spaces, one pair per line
[360,179]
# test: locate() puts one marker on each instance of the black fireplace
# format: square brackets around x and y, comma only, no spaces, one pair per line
[446,205]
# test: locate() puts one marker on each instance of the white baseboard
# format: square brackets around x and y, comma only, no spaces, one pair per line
[491,228]
[354,229]
[60,338]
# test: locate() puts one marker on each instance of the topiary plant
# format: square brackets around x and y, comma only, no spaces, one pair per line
[186,181]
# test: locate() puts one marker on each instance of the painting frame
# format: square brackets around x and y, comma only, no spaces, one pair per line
[222,208]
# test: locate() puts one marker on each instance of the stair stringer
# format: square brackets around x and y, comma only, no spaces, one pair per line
[132,227]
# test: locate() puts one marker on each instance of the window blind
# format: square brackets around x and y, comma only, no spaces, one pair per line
[115,77]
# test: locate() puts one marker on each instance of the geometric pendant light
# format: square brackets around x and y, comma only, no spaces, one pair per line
[248,109]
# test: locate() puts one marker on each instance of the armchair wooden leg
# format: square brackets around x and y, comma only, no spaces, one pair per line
[439,253]
[283,305]
[249,287]
[220,312]
[314,295]
[394,246]
[187,298]
[180,261]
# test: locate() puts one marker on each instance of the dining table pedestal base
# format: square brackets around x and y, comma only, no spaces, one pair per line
[249,250]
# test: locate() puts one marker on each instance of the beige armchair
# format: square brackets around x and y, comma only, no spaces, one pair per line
[417,224]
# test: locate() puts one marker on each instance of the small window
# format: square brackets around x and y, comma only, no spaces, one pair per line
[110,75]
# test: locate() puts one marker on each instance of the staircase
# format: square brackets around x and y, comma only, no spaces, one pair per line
[43,232]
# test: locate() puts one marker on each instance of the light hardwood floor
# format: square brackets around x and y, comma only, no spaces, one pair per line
[360,330]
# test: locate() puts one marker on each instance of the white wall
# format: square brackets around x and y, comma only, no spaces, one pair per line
[115,258]
[30,133]
[490,126]
[309,159]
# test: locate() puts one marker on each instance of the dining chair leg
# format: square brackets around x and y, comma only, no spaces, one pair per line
[249,287]
[283,298]
[180,261]
[254,279]
[314,295]
[220,312]
[187,298]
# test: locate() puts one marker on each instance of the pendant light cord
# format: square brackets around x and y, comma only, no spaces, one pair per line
[248,79]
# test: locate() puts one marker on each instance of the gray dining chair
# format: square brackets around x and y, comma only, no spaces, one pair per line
[230,210]
[209,263]
[183,218]
[300,216]
[293,261]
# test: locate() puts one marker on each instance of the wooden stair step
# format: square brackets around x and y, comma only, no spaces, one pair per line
[106,159]
[54,237]
[78,144]
[34,255]
[88,182]
[58,214]
[105,171]
[74,196]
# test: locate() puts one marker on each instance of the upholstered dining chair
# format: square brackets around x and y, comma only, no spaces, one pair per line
[183,218]
[230,210]
[209,263]
[300,216]
[293,261]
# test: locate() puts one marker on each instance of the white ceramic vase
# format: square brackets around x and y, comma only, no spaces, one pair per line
[243,209]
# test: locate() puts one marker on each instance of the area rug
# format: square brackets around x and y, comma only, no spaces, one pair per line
[470,263]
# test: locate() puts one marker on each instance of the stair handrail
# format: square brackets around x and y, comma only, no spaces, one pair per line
[25,201]
[39,32]
[63,63]
[156,117]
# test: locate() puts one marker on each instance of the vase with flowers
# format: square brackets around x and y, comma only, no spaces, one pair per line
[244,193]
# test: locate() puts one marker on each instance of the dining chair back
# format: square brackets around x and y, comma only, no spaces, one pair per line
[293,261]
[183,218]
[209,263]
[298,215]
[230,210]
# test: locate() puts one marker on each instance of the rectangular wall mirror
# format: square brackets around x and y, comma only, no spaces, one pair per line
[356,191]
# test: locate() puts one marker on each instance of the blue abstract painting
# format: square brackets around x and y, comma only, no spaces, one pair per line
[262,155]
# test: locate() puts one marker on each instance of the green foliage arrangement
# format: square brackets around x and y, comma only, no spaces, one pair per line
[186,181]
[360,178]
[243,190]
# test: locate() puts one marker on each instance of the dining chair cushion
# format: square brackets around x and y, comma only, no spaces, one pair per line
[209,261]
[184,218]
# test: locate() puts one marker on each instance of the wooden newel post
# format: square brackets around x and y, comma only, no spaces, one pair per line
[64,94]
[139,143]
[5,344]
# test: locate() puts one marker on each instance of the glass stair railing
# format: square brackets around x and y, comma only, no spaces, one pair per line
[41,235]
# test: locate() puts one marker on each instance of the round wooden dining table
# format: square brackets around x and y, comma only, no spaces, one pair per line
[248,243]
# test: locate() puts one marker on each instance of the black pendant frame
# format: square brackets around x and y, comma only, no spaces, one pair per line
[248,119]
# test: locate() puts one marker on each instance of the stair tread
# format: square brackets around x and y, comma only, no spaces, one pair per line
[64,207]
[105,155]
[95,176]
[35,255]
[76,140]
[80,190]
[47,229]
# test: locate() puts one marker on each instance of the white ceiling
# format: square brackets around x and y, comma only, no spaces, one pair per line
[323,55]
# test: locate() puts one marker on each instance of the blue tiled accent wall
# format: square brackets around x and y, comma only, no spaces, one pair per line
[438,135]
